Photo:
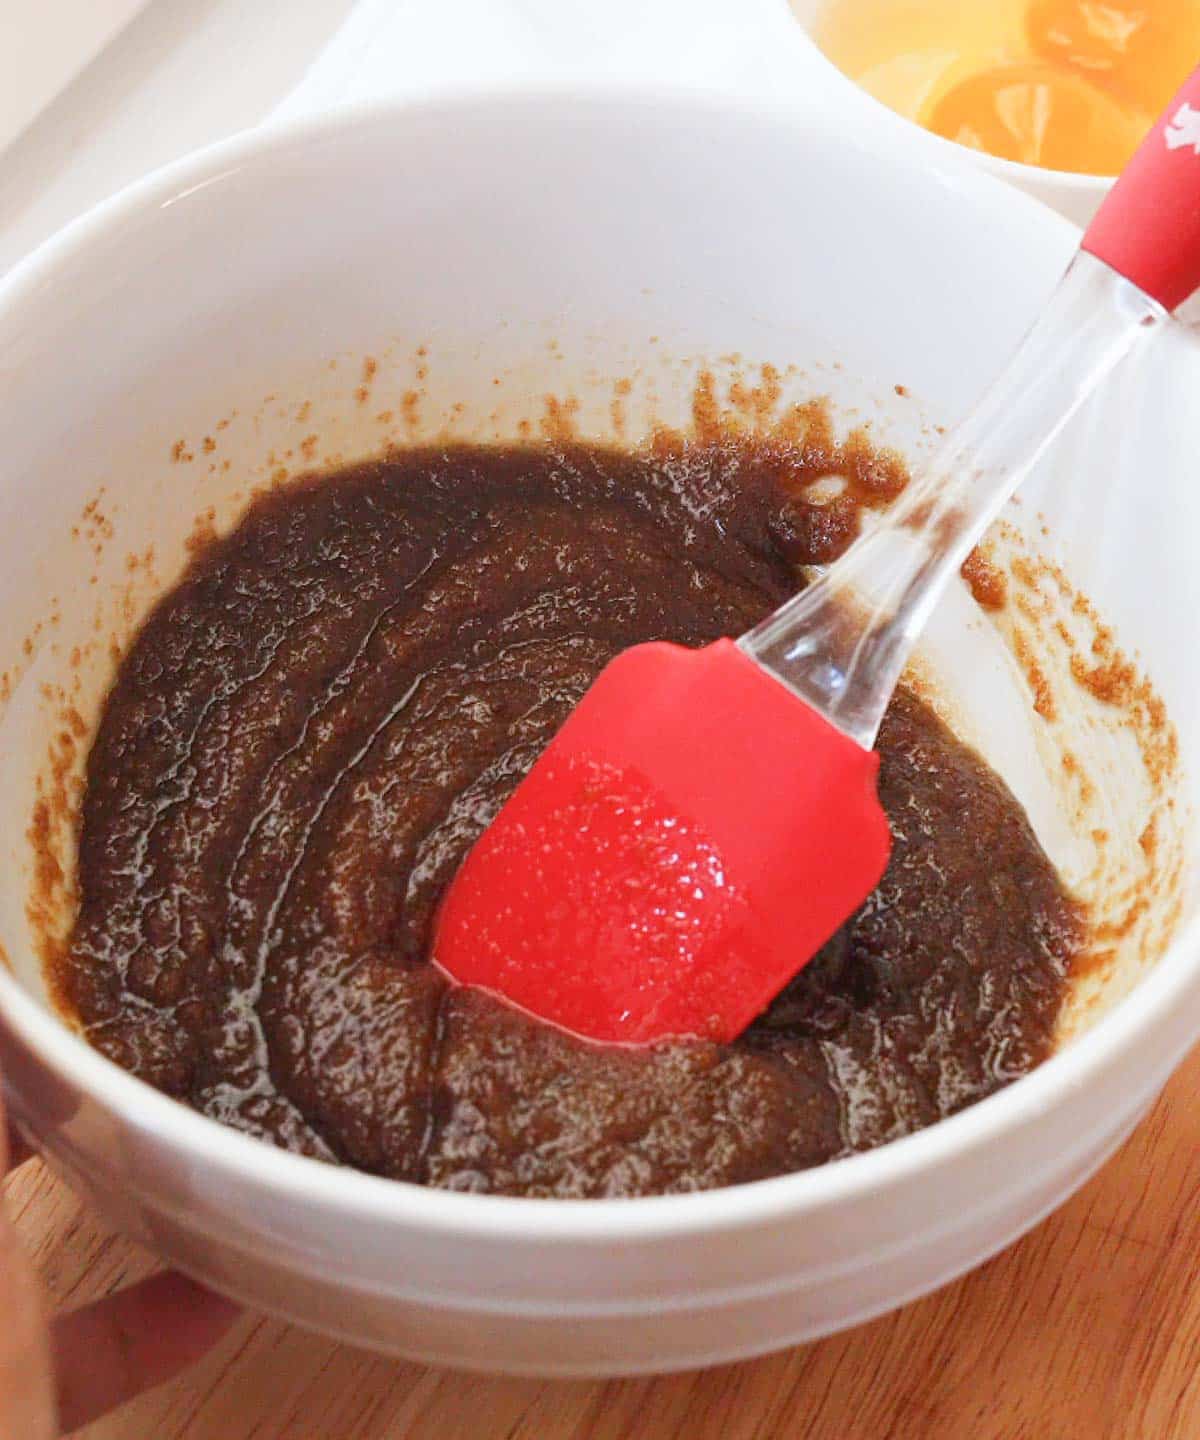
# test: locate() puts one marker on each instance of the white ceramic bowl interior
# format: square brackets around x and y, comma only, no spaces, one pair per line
[208,331]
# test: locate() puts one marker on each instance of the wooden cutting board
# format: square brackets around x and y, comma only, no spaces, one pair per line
[1088,1329]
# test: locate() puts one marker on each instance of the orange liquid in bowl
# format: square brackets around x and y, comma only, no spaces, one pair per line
[1064,84]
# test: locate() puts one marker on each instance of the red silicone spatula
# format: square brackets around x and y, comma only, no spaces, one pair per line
[705,820]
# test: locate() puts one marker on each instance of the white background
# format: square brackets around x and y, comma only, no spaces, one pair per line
[174,75]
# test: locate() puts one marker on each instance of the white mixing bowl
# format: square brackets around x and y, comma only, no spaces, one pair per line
[207,329]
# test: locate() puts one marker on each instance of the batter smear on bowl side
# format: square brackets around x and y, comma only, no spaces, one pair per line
[315,724]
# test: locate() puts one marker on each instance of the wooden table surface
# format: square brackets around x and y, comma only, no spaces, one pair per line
[1089,1328]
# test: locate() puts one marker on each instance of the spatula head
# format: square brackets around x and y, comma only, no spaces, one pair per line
[686,843]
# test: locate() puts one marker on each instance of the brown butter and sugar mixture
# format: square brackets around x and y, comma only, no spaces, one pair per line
[312,728]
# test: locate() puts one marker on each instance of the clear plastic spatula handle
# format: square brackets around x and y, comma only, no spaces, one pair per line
[843,642]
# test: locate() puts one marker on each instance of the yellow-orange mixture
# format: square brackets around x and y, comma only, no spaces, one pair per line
[1064,84]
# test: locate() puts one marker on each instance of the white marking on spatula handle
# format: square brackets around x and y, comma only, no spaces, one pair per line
[1148,228]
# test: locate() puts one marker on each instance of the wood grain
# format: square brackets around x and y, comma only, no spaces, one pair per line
[1089,1328]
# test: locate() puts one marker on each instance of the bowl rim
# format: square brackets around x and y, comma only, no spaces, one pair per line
[355,1194]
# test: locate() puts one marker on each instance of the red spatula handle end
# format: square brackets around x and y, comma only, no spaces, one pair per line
[1148,228]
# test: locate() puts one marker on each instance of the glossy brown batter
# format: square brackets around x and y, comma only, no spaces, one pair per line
[313,727]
